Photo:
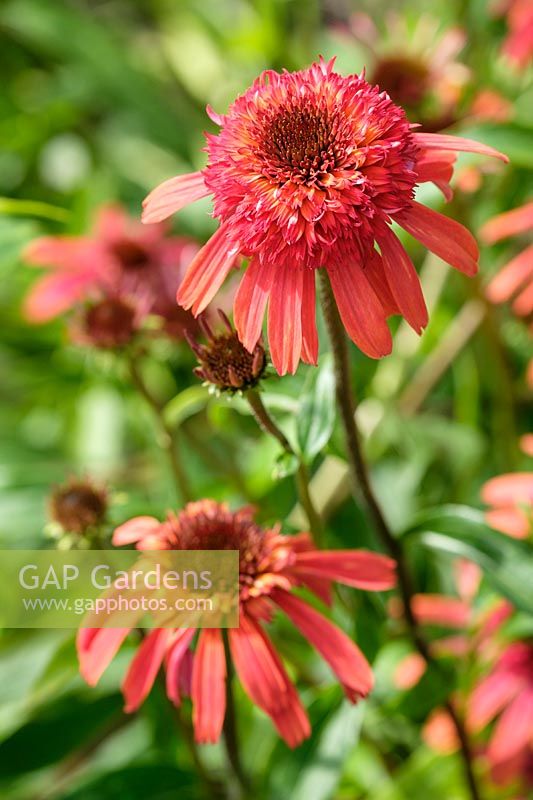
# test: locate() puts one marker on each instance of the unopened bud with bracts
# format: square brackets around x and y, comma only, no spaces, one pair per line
[78,506]
[224,362]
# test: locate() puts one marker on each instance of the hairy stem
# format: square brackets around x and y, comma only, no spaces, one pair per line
[362,486]
[267,424]
[166,435]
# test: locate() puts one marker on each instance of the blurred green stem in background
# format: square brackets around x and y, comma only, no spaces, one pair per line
[33,208]
[267,424]
[362,486]
[168,439]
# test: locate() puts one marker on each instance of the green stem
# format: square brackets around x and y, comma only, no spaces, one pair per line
[215,789]
[362,486]
[267,424]
[166,435]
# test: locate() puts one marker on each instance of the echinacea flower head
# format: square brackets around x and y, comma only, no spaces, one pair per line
[78,505]
[271,567]
[308,172]
[506,695]
[417,65]
[112,278]
[471,631]
[224,363]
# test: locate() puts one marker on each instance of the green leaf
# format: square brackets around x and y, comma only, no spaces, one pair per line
[33,208]
[323,770]
[185,405]
[462,532]
[316,416]
[286,464]
[156,781]
[57,730]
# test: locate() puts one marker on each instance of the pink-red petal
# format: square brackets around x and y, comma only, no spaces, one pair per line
[402,279]
[438,609]
[144,667]
[344,657]
[442,141]
[175,662]
[361,312]
[173,195]
[489,697]
[207,271]
[519,220]
[265,680]
[250,301]
[208,688]
[511,277]
[96,648]
[361,569]
[56,293]
[135,530]
[514,729]
[509,489]
[285,319]
[309,331]
[445,237]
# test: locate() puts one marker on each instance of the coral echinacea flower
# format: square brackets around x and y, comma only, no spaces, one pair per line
[308,171]
[271,565]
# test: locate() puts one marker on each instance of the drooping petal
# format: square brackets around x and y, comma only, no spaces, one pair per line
[56,293]
[523,304]
[361,312]
[442,141]
[285,319]
[208,689]
[375,273]
[309,331]
[438,609]
[509,489]
[175,662]
[519,220]
[432,165]
[134,530]
[250,301]
[517,273]
[489,697]
[111,223]
[344,657]
[467,576]
[96,648]
[265,680]
[409,671]
[144,667]
[361,569]
[60,252]
[439,732]
[445,237]
[207,271]
[514,730]
[173,195]
[402,279]
[512,521]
